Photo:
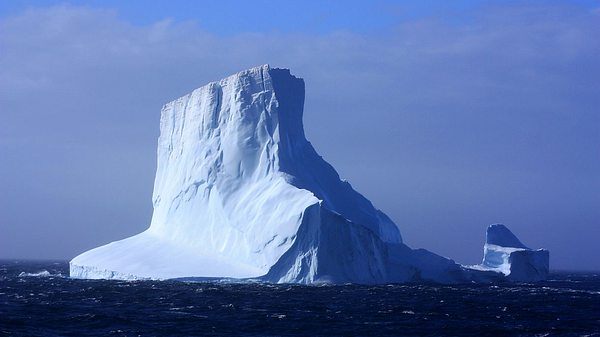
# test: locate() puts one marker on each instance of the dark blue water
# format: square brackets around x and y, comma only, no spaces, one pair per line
[37,299]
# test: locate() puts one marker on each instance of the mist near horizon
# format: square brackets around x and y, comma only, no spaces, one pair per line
[448,122]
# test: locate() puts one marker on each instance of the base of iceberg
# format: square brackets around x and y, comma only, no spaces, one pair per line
[240,194]
[369,261]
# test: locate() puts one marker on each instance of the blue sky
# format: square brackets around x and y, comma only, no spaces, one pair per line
[232,17]
[449,116]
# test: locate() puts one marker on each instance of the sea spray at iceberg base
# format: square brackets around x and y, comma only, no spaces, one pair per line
[241,194]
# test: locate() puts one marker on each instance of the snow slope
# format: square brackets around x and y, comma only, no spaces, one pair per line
[240,193]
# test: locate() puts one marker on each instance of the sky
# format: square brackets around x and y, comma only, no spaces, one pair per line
[448,116]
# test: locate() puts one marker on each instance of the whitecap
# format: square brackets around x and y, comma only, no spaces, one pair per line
[43,273]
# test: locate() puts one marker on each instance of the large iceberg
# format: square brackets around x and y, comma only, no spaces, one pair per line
[241,194]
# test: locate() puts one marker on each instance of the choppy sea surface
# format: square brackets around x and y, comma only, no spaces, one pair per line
[38,299]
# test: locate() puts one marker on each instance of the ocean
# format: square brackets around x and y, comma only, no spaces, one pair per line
[38,299]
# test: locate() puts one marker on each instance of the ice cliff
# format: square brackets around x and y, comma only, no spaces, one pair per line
[240,193]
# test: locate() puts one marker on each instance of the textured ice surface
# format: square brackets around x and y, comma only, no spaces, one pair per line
[240,193]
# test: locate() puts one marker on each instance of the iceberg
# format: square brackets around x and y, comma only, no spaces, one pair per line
[505,254]
[241,194]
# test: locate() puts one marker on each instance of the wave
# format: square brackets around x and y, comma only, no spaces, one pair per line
[42,273]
